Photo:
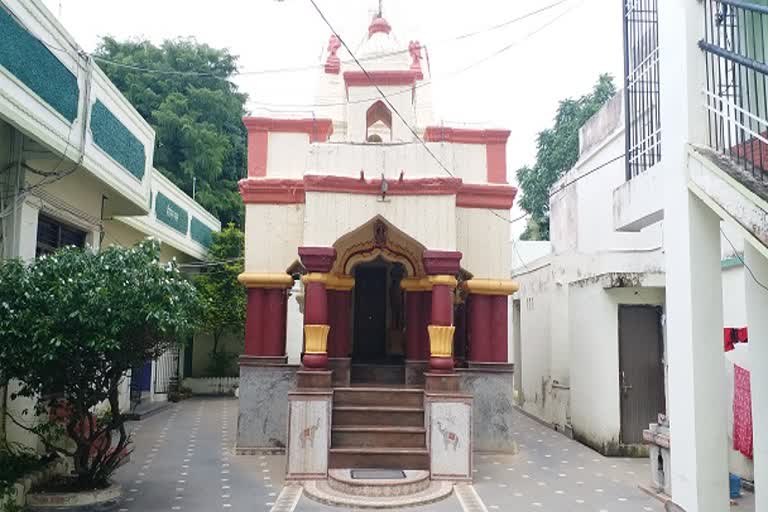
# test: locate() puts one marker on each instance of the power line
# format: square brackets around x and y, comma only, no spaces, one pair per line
[426,83]
[391,106]
[575,180]
[309,67]
[754,278]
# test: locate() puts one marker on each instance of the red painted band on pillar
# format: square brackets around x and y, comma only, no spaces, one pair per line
[272,344]
[480,328]
[253,322]
[315,304]
[412,324]
[442,305]
[441,364]
[315,361]
[424,320]
[500,323]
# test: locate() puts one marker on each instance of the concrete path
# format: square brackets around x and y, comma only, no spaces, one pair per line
[183,461]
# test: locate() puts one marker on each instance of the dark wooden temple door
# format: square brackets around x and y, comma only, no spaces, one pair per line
[641,370]
[370,314]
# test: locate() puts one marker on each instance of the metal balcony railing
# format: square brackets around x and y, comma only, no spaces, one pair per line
[641,84]
[736,93]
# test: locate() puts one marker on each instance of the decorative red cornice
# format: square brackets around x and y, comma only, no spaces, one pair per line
[317,259]
[465,135]
[286,191]
[394,77]
[441,262]
[496,197]
[319,130]
[271,191]
[414,187]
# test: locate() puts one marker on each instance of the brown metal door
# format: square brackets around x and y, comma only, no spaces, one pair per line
[641,370]
[370,314]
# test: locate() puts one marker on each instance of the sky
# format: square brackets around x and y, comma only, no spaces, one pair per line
[553,55]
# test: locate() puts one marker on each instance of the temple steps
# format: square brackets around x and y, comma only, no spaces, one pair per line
[387,437]
[385,458]
[378,427]
[377,415]
[380,374]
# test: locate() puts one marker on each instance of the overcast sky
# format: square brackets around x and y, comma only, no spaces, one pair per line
[555,54]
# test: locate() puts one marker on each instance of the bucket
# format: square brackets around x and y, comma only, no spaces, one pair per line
[734,485]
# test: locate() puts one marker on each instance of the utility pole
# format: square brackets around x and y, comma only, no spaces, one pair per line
[194,187]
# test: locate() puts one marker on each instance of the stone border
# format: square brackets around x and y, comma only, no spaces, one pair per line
[86,500]
[23,485]
[415,481]
[320,491]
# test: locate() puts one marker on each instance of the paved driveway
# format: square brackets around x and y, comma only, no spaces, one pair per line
[183,461]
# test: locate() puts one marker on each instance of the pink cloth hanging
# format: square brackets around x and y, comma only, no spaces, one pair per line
[742,411]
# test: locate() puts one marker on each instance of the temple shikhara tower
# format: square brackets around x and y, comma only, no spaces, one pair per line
[386,234]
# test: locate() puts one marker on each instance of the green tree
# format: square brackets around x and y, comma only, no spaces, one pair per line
[557,150]
[72,325]
[195,110]
[222,295]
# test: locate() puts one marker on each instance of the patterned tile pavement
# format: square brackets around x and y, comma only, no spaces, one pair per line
[184,461]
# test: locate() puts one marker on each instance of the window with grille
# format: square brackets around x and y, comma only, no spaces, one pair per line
[53,234]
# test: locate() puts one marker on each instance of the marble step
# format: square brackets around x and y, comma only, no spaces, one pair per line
[360,415]
[378,457]
[381,396]
[415,481]
[321,491]
[386,437]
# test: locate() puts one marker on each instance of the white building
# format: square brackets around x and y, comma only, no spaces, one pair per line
[665,227]
[76,161]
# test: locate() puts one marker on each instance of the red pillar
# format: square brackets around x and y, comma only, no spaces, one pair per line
[265,316]
[253,321]
[413,321]
[488,319]
[442,267]
[318,261]
[424,320]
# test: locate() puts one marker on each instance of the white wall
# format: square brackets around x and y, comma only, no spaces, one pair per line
[482,240]
[273,234]
[431,220]
[287,155]
[294,343]
[356,112]
[734,298]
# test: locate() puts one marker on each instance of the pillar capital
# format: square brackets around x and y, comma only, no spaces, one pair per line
[415,284]
[490,286]
[340,283]
[441,262]
[443,280]
[265,280]
[317,259]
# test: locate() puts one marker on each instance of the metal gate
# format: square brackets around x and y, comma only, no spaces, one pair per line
[167,371]
[641,370]
[135,387]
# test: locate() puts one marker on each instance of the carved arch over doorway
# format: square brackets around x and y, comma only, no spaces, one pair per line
[378,238]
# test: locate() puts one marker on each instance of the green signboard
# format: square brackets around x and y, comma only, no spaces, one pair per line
[171,214]
[117,141]
[201,233]
[35,65]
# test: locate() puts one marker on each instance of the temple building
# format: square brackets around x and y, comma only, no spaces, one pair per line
[397,230]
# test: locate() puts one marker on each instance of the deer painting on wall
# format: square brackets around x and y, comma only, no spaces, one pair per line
[308,434]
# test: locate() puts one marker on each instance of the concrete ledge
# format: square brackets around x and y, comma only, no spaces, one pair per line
[639,202]
[86,500]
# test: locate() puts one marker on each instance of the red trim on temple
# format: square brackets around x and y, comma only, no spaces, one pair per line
[319,130]
[258,141]
[266,191]
[465,135]
[414,187]
[441,262]
[317,259]
[394,77]
[287,191]
[496,197]
[379,24]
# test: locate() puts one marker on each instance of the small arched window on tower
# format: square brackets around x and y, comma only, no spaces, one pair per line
[378,123]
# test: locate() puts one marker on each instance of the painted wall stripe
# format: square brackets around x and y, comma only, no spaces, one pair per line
[117,140]
[288,499]
[171,214]
[469,499]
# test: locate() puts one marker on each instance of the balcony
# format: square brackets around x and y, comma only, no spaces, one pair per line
[736,92]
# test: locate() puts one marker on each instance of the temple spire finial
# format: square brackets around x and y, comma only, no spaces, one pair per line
[381,2]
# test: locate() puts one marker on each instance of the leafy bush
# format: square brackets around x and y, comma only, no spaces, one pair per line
[15,462]
[73,324]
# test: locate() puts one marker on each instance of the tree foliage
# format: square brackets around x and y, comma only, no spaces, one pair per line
[223,297]
[197,119]
[72,325]
[557,152]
